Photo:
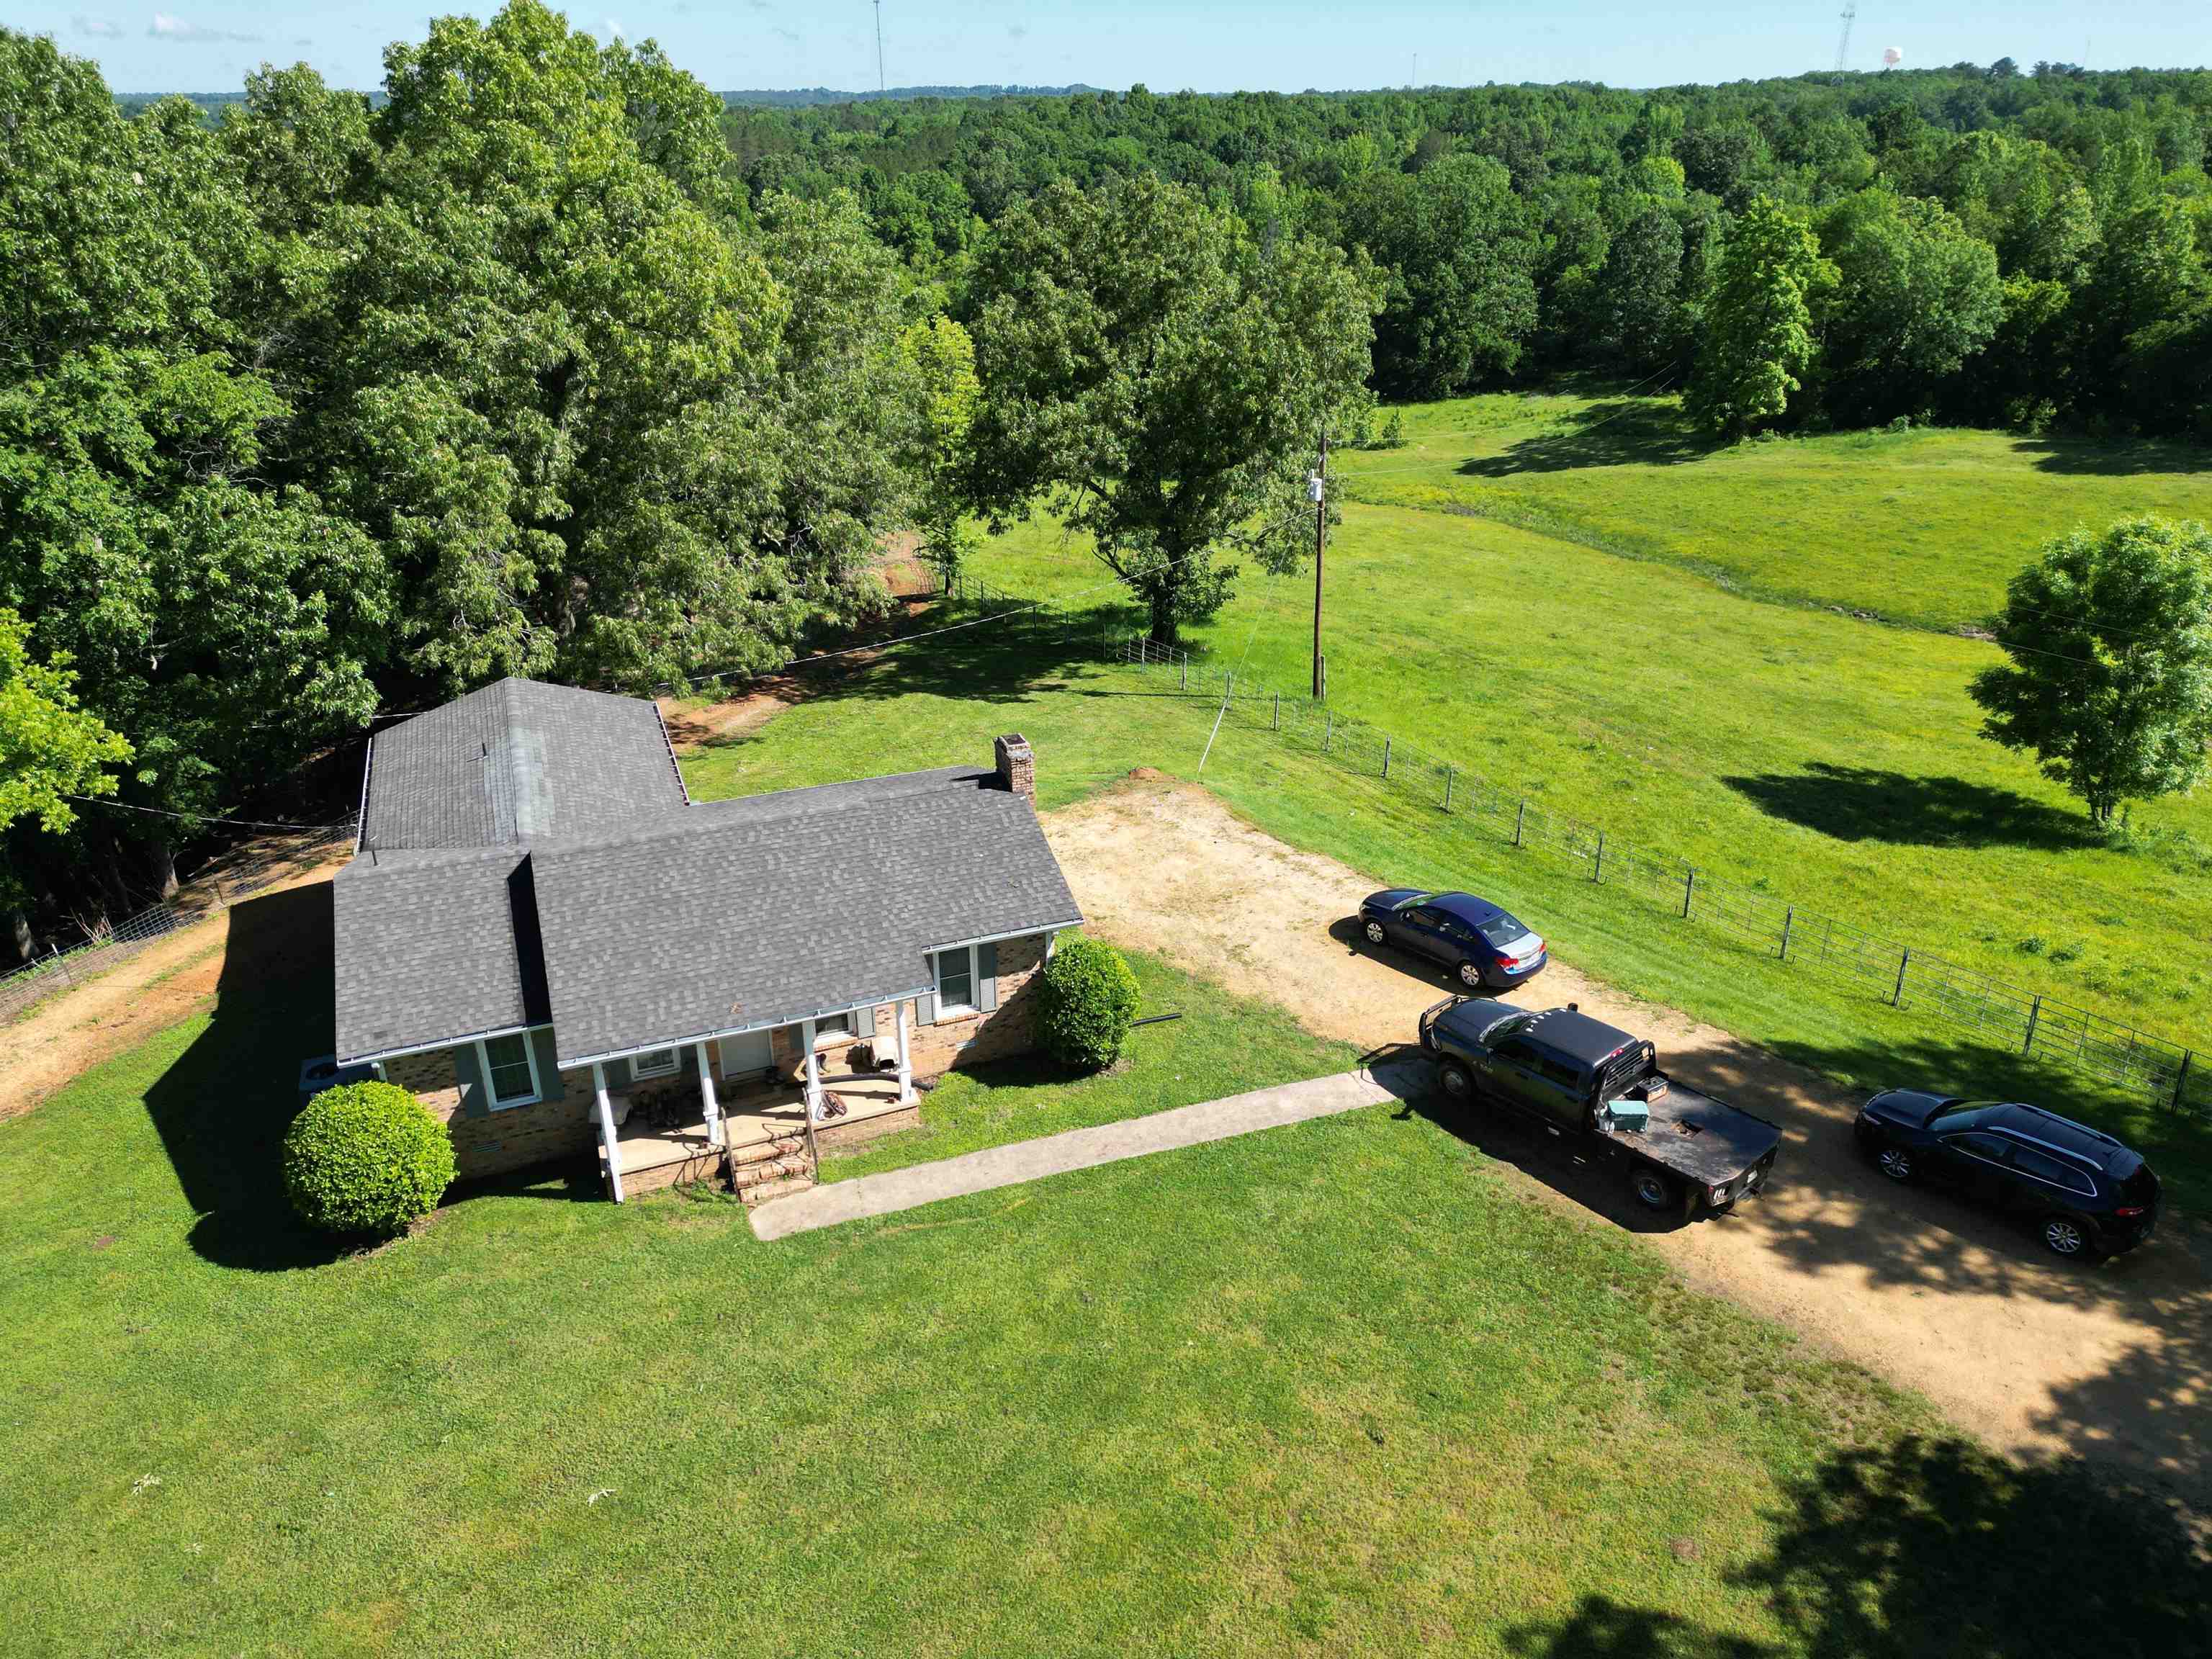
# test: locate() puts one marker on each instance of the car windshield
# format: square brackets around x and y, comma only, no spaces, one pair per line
[1418,898]
[1502,929]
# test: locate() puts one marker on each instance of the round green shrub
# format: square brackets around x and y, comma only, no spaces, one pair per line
[1087,999]
[366,1157]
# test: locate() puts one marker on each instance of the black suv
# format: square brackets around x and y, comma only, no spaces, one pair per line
[2086,1194]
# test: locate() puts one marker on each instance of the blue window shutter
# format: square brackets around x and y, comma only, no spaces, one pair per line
[986,976]
[550,1084]
[470,1079]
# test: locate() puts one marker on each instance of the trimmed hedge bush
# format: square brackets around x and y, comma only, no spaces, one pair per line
[366,1157]
[1087,998]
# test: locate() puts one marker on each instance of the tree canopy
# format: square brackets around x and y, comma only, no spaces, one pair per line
[1159,378]
[2110,685]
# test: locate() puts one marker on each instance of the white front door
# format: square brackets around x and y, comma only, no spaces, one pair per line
[746,1056]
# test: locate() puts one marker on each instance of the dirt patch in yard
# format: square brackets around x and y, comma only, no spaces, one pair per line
[2038,1357]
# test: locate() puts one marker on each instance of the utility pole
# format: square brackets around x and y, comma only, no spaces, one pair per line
[1317,489]
[880,84]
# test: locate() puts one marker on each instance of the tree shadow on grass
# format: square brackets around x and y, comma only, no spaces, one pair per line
[1010,657]
[1861,803]
[2087,457]
[1620,432]
[1933,1546]
[222,1109]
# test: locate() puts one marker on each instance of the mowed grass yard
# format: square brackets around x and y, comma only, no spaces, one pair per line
[1330,1389]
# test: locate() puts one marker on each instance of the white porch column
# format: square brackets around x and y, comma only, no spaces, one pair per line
[1051,944]
[806,1034]
[905,1060]
[711,1107]
[607,1129]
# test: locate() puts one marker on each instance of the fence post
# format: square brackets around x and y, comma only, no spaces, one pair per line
[1519,814]
[1447,784]
[2035,1018]
[1689,886]
[1276,723]
[2181,1078]
[1386,757]
[1897,996]
[1186,671]
[62,966]
[1789,916]
[1228,684]
[1327,728]
[1597,869]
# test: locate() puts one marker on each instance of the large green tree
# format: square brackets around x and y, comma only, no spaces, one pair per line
[1459,249]
[1759,335]
[2110,686]
[1917,296]
[53,751]
[1158,377]
[220,621]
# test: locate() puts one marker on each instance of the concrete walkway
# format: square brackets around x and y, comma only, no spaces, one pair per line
[1082,1149]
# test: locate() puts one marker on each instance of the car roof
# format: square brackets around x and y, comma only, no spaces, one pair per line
[1576,1035]
[1467,908]
[2061,1134]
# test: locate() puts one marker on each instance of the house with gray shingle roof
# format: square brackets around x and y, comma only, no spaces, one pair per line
[545,937]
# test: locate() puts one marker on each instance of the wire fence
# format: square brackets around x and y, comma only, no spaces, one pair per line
[104,944]
[1907,977]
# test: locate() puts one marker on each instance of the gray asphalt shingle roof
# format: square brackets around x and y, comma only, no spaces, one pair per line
[517,762]
[783,905]
[434,944]
[637,927]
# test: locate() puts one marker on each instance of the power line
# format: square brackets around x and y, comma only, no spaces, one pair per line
[200,817]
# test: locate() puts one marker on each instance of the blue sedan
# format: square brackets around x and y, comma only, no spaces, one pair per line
[1482,946]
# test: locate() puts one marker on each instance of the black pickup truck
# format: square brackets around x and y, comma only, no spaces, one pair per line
[1602,1089]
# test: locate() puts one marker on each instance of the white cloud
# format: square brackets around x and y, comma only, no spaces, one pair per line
[615,29]
[165,27]
[98,27]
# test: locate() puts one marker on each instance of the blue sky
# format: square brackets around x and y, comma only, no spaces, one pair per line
[201,46]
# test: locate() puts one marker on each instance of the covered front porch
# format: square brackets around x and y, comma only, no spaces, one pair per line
[757,1118]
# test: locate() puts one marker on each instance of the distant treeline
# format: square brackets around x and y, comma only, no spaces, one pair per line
[1995,244]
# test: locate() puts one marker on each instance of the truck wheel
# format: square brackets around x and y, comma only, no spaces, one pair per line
[1375,933]
[1654,1191]
[1458,1082]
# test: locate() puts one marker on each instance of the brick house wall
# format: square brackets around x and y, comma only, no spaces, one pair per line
[970,1040]
[488,1143]
[565,1125]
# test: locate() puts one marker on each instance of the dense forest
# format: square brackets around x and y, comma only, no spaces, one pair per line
[546,359]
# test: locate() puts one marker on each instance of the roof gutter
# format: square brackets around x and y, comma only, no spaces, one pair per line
[1029,932]
[455,1041]
[361,822]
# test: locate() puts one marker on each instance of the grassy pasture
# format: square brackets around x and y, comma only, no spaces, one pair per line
[1825,759]
[1922,526]
[1332,1389]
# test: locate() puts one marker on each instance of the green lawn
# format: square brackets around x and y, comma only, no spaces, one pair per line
[1921,527]
[1329,1390]
[1220,1045]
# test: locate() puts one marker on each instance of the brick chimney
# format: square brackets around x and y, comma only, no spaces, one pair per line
[1016,765]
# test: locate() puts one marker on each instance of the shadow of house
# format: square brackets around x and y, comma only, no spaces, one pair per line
[222,1109]
[1859,803]
[1621,432]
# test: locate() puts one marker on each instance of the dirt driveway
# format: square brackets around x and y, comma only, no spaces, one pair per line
[2033,1356]
[74,1030]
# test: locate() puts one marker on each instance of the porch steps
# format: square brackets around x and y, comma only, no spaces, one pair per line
[762,1191]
